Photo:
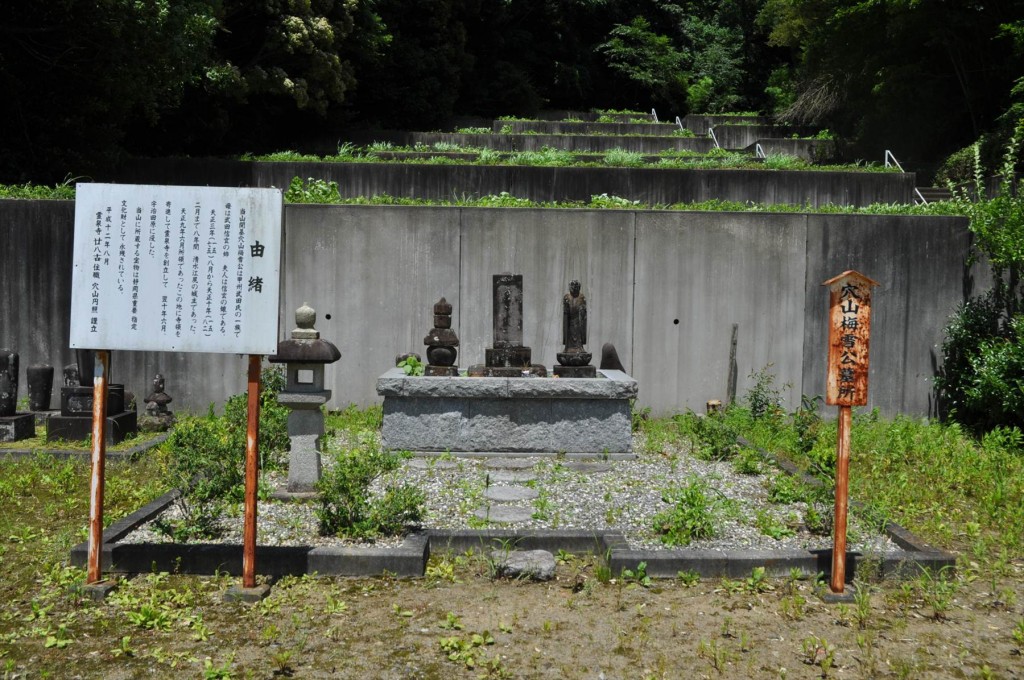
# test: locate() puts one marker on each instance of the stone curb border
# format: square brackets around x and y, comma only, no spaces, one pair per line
[410,558]
[64,454]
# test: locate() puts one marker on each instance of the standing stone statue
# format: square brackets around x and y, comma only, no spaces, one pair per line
[574,360]
[157,418]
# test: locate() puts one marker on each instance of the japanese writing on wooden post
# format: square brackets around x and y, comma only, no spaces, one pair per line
[848,335]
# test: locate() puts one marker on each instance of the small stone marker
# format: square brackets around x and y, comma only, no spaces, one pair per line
[538,565]
[574,360]
[40,386]
[441,342]
[157,418]
[305,354]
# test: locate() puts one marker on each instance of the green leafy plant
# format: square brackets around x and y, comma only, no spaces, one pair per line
[411,366]
[691,516]
[638,575]
[345,505]
[770,525]
[312,191]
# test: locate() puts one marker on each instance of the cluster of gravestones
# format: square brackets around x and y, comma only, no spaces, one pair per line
[74,420]
[508,357]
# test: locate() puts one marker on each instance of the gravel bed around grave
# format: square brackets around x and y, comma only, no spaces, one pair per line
[620,496]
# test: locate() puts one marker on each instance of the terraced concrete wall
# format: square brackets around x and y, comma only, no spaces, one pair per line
[650,186]
[664,287]
[699,123]
[648,144]
[583,128]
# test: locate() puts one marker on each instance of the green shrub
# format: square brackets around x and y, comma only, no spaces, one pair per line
[714,437]
[623,158]
[346,506]
[273,437]
[976,323]
[691,516]
[206,464]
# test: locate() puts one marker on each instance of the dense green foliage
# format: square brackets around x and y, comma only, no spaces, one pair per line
[85,82]
[346,506]
[206,458]
[981,384]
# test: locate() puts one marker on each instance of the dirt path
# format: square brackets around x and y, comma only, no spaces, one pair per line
[572,627]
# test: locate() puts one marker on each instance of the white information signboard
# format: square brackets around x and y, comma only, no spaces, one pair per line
[177,269]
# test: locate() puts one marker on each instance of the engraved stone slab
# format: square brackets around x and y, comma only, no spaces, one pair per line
[508,310]
[538,565]
[510,494]
[587,467]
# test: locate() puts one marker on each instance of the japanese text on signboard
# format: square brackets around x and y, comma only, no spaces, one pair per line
[176,268]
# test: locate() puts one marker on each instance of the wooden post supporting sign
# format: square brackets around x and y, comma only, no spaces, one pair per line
[94,570]
[849,331]
[252,461]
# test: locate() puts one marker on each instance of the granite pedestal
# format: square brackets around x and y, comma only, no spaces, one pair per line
[529,416]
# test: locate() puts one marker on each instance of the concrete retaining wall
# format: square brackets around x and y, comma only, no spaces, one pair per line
[664,287]
[583,128]
[813,150]
[650,186]
[700,123]
[742,136]
[582,143]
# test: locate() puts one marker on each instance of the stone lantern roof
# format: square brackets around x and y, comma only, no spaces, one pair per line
[305,345]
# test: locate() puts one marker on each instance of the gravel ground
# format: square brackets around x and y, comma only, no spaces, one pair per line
[622,496]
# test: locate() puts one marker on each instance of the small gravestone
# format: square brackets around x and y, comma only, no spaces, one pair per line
[538,565]
[574,359]
[508,358]
[40,386]
[441,343]
[157,418]
[74,422]
[14,426]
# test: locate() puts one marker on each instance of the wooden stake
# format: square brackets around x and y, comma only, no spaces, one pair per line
[252,434]
[842,490]
[99,451]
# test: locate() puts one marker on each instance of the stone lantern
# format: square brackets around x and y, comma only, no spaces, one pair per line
[304,355]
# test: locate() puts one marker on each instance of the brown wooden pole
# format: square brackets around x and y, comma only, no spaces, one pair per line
[842,492]
[252,434]
[99,451]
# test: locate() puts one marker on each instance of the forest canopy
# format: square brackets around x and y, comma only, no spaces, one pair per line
[87,82]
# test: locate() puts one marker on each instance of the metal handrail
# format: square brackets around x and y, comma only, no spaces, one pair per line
[759,150]
[711,132]
[679,122]
[655,114]
[890,161]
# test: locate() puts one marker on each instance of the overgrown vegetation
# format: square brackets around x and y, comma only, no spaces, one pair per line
[206,458]
[346,506]
[981,384]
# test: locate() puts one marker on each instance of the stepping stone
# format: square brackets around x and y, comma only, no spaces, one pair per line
[512,476]
[538,565]
[432,463]
[508,463]
[586,467]
[504,514]
[510,494]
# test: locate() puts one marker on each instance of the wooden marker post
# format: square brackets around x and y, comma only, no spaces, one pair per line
[94,573]
[849,331]
[252,463]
